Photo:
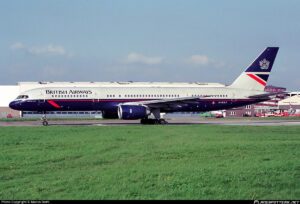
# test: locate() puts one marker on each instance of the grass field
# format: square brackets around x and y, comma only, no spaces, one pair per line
[150,162]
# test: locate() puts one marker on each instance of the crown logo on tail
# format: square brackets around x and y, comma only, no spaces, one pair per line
[264,64]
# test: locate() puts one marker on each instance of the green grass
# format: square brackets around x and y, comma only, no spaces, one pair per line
[150,162]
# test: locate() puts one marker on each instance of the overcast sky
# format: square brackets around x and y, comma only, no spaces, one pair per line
[146,40]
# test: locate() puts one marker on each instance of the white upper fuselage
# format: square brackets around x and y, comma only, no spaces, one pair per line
[140,90]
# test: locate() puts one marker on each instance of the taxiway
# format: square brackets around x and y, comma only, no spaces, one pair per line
[171,121]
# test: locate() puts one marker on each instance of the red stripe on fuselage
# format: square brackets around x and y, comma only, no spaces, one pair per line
[54,104]
[96,100]
[257,79]
[137,100]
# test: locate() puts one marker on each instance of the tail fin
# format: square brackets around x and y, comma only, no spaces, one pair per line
[256,75]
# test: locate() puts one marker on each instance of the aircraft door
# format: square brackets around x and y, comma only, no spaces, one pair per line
[95,101]
[41,99]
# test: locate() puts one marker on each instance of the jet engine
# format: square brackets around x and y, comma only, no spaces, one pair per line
[133,112]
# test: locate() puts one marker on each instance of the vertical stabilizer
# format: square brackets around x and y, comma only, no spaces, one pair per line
[256,75]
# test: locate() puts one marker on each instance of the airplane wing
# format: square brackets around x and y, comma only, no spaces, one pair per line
[266,95]
[165,103]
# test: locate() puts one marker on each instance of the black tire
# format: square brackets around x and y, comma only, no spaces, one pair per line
[153,121]
[45,123]
[162,122]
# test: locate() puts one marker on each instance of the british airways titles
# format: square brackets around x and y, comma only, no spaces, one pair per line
[53,92]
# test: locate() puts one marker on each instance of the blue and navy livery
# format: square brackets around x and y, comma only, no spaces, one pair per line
[256,75]
[138,102]
[111,105]
[264,62]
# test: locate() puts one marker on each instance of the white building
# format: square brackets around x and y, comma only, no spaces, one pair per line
[293,93]
[290,103]
[7,94]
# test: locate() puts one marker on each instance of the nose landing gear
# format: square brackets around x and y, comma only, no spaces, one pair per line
[44,119]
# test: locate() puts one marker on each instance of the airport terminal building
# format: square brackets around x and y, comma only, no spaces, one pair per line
[8,93]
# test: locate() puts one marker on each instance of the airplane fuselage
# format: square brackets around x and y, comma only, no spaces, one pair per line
[108,98]
[130,101]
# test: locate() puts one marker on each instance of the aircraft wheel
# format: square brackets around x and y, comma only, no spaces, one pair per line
[163,122]
[153,121]
[144,121]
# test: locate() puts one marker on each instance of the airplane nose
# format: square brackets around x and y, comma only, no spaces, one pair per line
[14,105]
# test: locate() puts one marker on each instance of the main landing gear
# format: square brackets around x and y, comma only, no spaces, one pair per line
[156,121]
[153,121]
[44,119]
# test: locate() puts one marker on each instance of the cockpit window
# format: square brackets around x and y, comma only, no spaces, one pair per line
[22,97]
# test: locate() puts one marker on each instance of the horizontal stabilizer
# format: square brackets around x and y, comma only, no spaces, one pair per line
[266,95]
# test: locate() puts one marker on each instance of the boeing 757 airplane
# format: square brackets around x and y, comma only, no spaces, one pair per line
[131,101]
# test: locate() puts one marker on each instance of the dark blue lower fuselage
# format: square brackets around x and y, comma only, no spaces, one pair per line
[111,105]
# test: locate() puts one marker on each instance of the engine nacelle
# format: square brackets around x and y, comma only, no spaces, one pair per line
[133,112]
